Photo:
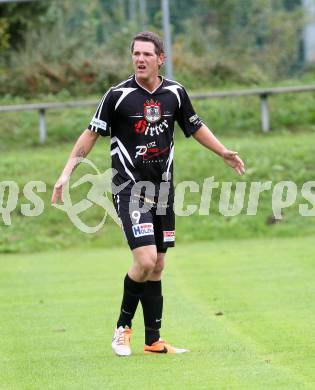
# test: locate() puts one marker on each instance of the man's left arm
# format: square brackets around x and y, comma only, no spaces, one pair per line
[206,138]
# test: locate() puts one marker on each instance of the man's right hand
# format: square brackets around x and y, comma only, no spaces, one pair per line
[57,193]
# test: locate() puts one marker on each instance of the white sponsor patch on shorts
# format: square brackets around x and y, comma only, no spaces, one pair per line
[99,124]
[143,229]
[169,235]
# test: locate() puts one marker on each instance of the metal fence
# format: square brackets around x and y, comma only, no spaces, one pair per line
[262,93]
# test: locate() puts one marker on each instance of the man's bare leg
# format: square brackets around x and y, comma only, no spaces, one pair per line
[144,263]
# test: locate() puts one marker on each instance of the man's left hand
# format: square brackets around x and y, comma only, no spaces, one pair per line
[232,159]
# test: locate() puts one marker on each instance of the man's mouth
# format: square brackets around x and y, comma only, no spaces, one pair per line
[141,67]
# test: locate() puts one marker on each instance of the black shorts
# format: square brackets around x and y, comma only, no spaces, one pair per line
[145,221]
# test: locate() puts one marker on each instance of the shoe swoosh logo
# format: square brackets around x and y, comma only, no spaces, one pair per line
[164,350]
[156,320]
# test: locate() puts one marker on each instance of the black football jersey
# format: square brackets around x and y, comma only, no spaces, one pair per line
[141,126]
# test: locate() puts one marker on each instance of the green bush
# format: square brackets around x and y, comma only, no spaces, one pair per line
[84,48]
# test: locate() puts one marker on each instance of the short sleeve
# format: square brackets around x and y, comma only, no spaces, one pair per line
[186,116]
[101,120]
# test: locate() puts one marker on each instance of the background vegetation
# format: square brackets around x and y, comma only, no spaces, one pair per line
[82,47]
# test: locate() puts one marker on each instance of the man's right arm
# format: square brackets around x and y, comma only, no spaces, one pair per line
[80,150]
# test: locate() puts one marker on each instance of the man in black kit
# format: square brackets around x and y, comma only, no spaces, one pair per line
[139,115]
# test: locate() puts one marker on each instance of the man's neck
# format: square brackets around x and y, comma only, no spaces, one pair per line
[150,85]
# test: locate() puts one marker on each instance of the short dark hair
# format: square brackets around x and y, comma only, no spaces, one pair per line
[148,36]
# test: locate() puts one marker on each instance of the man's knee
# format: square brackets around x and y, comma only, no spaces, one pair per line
[159,265]
[145,259]
[147,266]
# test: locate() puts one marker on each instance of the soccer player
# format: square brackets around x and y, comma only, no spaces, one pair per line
[139,115]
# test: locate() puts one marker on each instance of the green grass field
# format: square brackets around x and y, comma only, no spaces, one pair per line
[241,299]
[58,310]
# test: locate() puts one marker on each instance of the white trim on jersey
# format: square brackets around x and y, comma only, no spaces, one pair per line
[125,92]
[117,151]
[173,81]
[123,82]
[170,159]
[123,149]
[99,110]
[173,88]
[101,103]
[117,201]
[150,92]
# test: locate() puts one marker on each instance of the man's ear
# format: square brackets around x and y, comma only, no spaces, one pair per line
[161,59]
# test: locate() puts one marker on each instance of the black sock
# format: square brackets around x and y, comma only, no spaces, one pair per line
[132,292]
[152,305]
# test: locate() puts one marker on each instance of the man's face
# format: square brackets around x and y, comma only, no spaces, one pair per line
[145,61]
